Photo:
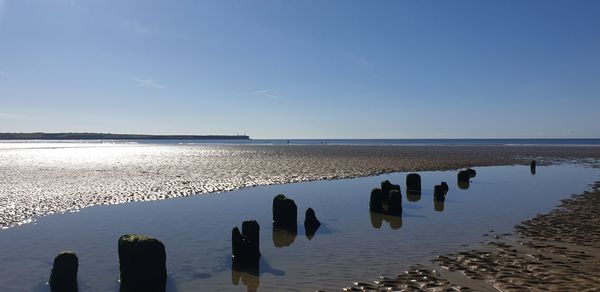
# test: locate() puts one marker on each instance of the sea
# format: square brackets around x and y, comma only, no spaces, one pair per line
[324,141]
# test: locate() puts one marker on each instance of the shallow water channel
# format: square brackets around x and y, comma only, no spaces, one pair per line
[352,244]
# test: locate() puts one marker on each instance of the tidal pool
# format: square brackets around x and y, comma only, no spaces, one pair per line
[352,243]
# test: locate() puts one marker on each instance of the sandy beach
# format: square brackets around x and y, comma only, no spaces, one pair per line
[557,251]
[38,181]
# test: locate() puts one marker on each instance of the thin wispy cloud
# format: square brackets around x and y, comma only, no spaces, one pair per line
[147,82]
[269,93]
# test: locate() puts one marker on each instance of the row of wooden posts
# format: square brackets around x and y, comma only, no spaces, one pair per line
[142,259]
[387,200]
[245,244]
[142,265]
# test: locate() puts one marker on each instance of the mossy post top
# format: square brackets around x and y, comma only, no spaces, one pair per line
[136,238]
[281,197]
[142,263]
[144,243]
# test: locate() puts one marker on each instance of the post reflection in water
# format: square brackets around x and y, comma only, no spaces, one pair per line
[438,205]
[413,196]
[378,218]
[248,274]
[284,237]
[463,185]
[309,233]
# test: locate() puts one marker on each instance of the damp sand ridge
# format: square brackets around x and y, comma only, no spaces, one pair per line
[67,177]
[557,251]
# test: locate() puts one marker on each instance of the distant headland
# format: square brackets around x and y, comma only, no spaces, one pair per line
[108,136]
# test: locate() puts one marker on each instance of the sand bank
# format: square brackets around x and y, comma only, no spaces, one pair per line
[558,251]
[37,182]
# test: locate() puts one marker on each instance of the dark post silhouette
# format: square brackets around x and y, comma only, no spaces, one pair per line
[376,201]
[142,262]
[395,203]
[445,187]
[245,247]
[237,243]
[463,175]
[251,230]
[532,167]
[285,215]
[439,193]
[311,223]
[413,183]
[472,172]
[463,179]
[386,204]
[386,187]
[63,277]
[285,212]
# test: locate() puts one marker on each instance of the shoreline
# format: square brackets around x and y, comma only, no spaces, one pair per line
[558,250]
[68,179]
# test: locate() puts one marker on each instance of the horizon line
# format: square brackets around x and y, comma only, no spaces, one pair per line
[315,138]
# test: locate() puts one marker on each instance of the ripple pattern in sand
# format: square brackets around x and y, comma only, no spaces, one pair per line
[60,177]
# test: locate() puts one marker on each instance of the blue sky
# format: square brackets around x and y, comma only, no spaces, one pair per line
[302,69]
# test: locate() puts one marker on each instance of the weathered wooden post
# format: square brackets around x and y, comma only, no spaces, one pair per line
[285,212]
[376,201]
[463,175]
[472,173]
[245,246]
[311,223]
[439,193]
[395,203]
[463,179]
[413,183]
[63,277]
[142,263]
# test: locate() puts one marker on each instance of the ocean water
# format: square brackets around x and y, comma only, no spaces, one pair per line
[433,142]
[352,244]
[406,142]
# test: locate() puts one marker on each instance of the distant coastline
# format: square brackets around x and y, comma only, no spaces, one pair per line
[109,136]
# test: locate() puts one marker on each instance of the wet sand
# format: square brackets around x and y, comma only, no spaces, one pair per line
[558,251]
[61,178]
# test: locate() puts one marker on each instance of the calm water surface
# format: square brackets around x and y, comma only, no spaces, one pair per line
[405,142]
[197,231]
